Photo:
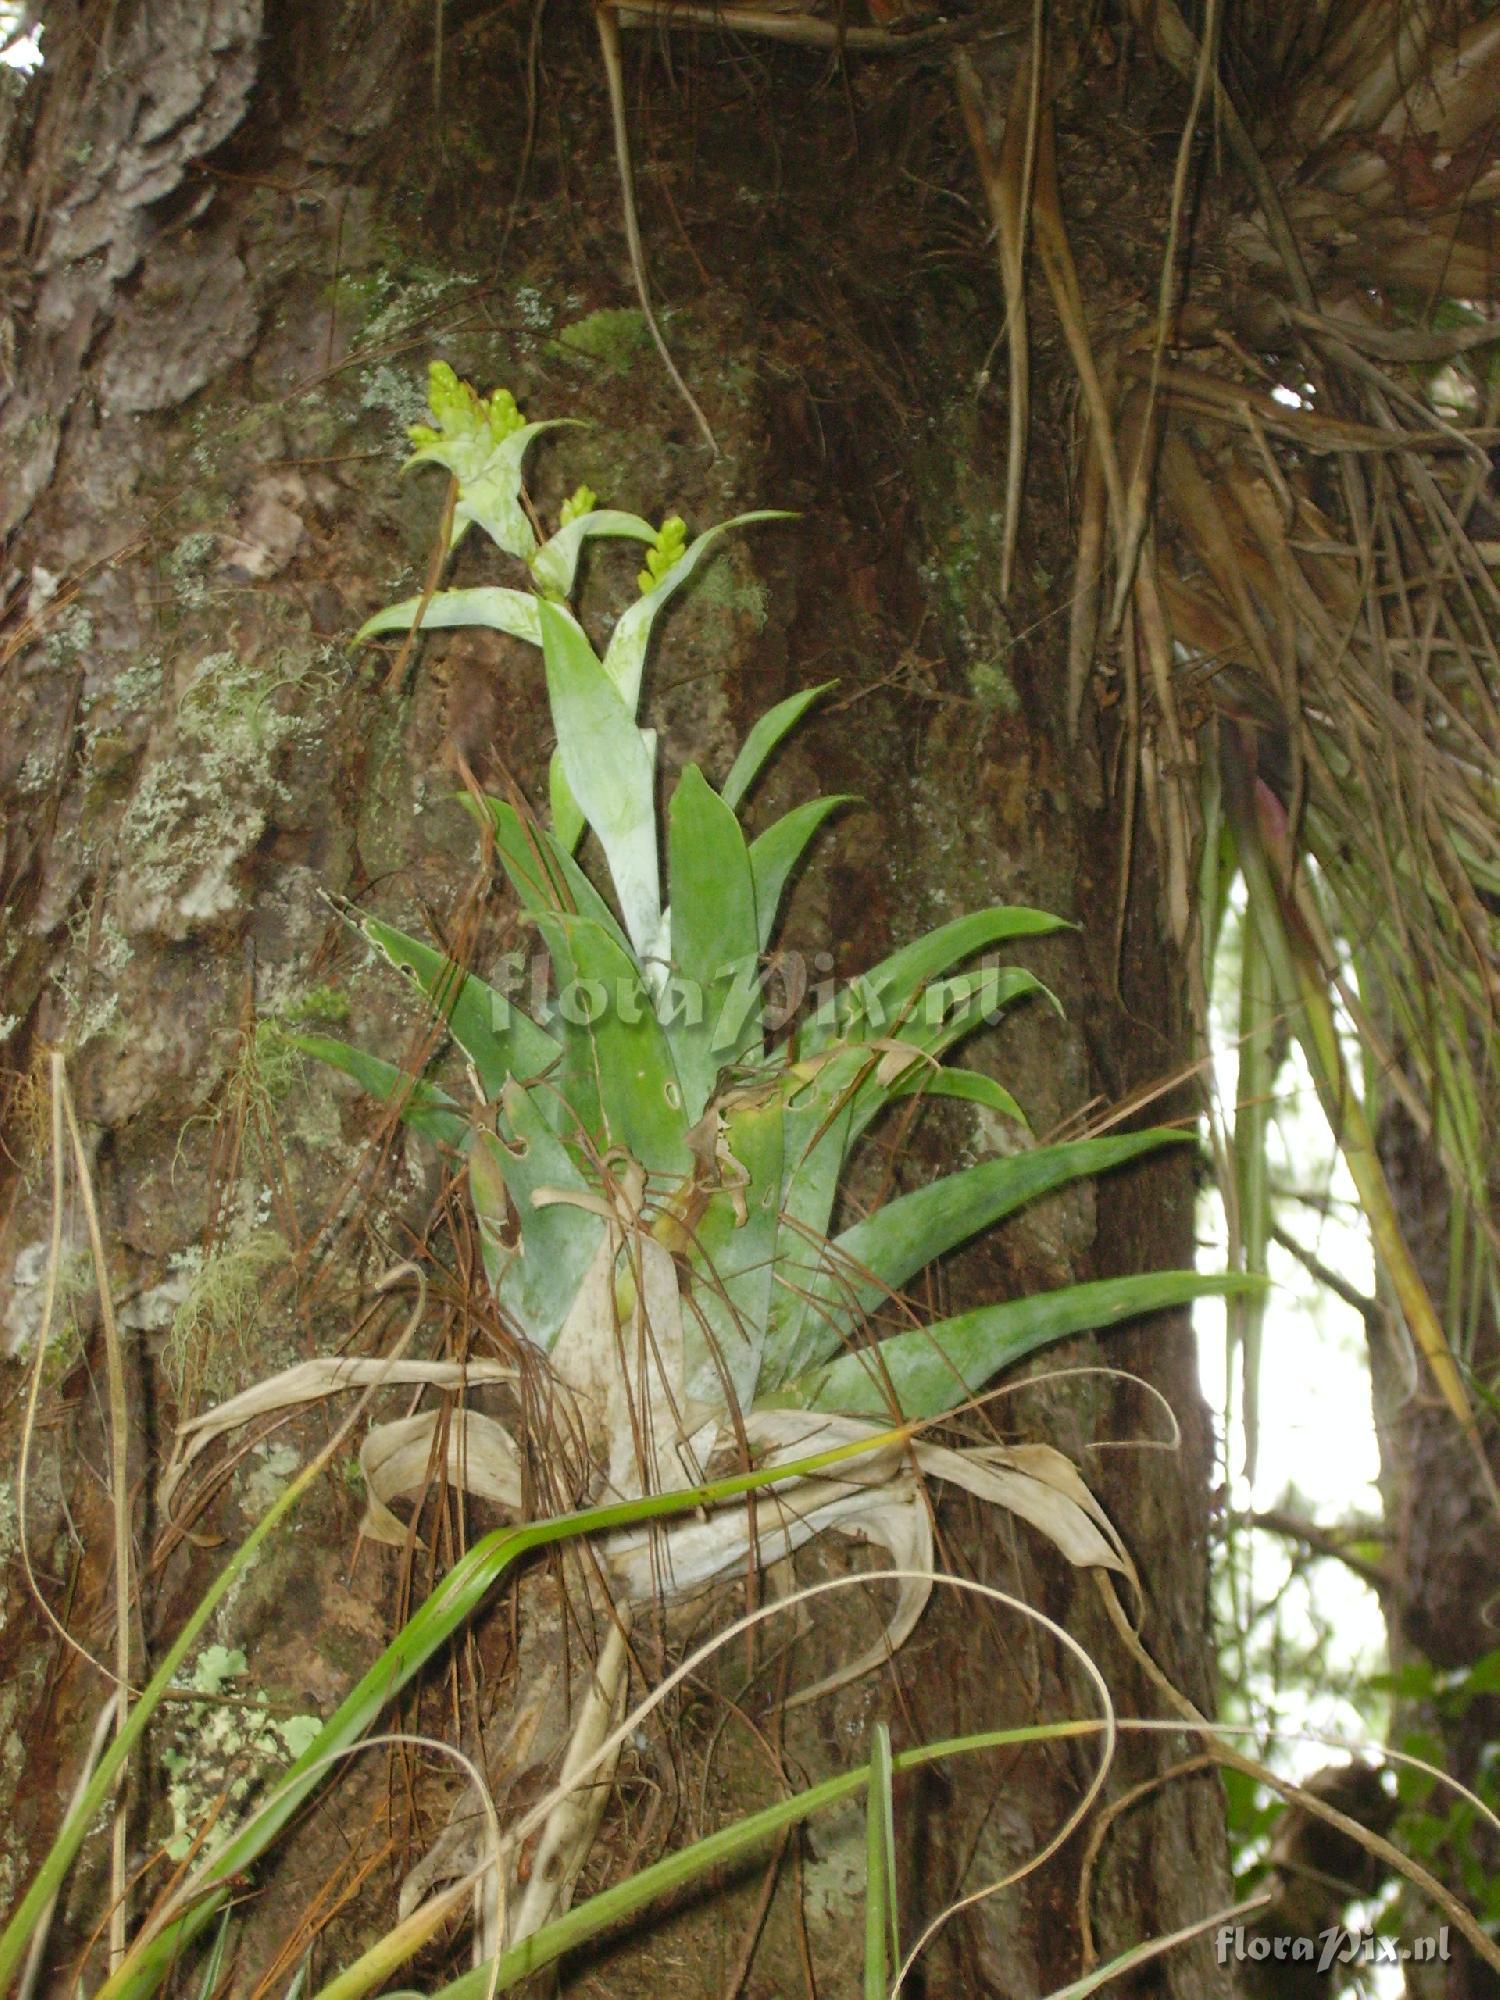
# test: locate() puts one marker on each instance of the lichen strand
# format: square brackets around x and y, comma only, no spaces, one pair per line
[208,1352]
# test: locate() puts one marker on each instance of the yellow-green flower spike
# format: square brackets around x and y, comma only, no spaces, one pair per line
[671,542]
[461,412]
[584,501]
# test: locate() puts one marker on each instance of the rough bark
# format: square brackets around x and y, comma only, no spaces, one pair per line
[241,238]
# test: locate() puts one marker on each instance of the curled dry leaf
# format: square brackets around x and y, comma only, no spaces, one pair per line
[310,1382]
[1033,1481]
[396,1459]
[1044,1488]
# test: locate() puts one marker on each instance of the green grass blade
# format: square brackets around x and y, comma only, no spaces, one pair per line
[59,1858]
[674,1871]
[214,1964]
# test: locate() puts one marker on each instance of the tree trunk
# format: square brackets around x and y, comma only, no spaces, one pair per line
[235,243]
[1445,1564]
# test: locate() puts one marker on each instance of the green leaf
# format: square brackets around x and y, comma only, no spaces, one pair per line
[544,875]
[608,769]
[776,852]
[555,564]
[877,1002]
[497,610]
[1259,1061]
[537,1281]
[429,1111]
[970,1086]
[610,1908]
[733,1264]
[943,1015]
[871,1261]
[626,654]
[714,938]
[615,1042]
[460,1594]
[1414,1681]
[567,815]
[763,739]
[497,1037]
[935,1022]
[816,1142]
[1483,1678]
[488,472]
[930,1369]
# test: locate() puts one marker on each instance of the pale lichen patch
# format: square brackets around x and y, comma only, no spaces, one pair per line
[222,1749]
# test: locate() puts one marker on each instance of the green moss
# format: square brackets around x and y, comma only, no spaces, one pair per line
[614,336]
[993,687]
[318,1003]
[730,584]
